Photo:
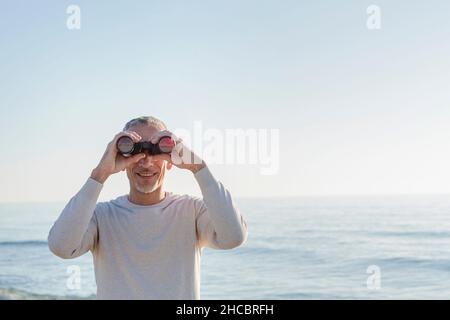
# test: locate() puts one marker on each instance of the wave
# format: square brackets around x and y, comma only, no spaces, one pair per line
[415,261]
[412,234]
[17,294]
[24,243]
[406,263]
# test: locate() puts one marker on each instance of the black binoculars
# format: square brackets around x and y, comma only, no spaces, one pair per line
[127,147]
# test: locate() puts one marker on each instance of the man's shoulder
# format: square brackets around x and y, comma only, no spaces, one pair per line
[192,203]
[184,199]
[105,206]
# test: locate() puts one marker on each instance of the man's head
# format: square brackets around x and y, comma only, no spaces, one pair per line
[147,175]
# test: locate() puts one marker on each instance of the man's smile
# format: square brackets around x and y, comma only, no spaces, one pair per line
[147,175]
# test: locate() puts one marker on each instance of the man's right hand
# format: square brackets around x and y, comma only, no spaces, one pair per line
[112,161]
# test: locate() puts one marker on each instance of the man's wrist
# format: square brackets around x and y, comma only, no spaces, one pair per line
[197,167]
[99,176]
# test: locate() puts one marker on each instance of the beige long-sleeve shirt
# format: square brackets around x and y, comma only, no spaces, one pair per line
[148,252]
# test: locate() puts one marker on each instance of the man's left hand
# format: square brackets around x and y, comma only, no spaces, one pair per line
[181,156]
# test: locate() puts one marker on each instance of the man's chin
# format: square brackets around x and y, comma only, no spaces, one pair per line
[146,189]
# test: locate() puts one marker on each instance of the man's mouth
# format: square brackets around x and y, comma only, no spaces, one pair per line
[147,175]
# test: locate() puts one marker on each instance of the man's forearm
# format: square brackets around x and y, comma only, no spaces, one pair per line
[99,176]
[68,231]
[228,223]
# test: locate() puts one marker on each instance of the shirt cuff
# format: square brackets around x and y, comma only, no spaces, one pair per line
[91,188]
[204,178]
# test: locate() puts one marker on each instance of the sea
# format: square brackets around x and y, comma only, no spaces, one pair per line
[336,247]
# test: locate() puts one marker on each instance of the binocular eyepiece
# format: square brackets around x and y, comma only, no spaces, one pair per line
[127,147]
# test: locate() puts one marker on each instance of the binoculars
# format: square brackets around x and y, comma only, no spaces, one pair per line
[127,147]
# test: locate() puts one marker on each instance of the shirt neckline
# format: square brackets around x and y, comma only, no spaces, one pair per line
[166,199]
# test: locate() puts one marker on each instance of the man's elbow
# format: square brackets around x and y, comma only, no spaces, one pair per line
[58,250]
[234,241]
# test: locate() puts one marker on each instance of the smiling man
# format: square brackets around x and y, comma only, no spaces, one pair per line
[147,244]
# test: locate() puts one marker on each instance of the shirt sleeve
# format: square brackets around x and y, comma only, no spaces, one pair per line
[219,224]
[75,231]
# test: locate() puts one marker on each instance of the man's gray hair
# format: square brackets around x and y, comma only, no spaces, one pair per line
[148,120]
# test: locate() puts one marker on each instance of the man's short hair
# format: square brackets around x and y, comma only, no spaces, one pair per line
[148,120]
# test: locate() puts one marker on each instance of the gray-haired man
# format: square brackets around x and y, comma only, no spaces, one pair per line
[147,244]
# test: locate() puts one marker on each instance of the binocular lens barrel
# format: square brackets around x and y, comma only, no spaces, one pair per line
[125,145]
[166,144]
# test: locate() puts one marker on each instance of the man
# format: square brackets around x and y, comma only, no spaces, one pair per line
[147,244]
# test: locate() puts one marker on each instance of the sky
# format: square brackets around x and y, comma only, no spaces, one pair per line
[358,111]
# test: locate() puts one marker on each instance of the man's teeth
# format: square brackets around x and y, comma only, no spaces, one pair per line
[146,174]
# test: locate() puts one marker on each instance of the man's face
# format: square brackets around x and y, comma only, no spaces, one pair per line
[147,175]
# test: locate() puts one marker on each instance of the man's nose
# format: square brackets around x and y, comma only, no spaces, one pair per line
[148,161]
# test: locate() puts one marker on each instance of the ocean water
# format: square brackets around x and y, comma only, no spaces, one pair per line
[298,248]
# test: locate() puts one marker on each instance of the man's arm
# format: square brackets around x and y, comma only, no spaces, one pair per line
[219,223]
[75,231]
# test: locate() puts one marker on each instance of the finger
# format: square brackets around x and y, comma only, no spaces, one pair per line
[181,154]
[176,154]
[134,135]
[155,138]
[162,156]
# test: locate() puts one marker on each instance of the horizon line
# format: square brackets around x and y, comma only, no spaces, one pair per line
[362,195]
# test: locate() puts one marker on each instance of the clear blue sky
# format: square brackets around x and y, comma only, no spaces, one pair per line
[359,111]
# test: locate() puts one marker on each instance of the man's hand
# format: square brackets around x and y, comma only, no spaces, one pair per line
[180,156]
[112,161]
